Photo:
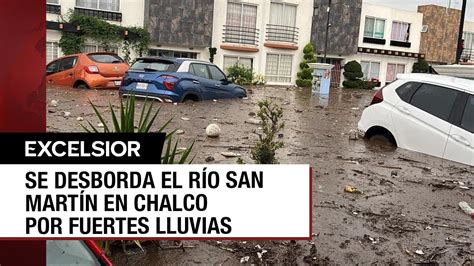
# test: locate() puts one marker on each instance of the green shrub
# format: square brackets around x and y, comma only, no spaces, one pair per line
[305,76]
[421,66]
[265,149]
[353,73]
[240,74]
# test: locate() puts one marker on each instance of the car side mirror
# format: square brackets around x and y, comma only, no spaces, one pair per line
[225,81]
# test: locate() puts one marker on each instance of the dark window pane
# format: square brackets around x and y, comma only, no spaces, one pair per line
[405,92]
[200,70]
[467,121]
[67,63]
[105,58]
[435,100]
[53,67]
[153,65]
[216,73]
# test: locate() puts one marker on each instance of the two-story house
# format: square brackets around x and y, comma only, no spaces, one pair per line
[120,12]
[388,43]
[267,36]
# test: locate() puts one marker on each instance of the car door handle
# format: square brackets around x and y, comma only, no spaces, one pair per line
[461,139]
[196,82]
[69,75]
[404,110]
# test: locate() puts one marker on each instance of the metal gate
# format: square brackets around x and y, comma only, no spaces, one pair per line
[336,73]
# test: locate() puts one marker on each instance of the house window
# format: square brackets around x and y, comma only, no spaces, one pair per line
[283,14]
[55,2]
[52,51]
[94,48]
[241,23]
[393,70]
[374,28]
[237,60]
[400,31]
[468,52]
[107,5]
[278,68]
[371,70]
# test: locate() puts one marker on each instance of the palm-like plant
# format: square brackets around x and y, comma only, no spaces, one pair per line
[126,124]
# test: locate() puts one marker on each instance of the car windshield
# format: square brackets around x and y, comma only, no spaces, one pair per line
[152,65]
[105,58]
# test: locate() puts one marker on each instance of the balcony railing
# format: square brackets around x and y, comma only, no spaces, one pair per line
[54,9]
[240,35]
[281,33]
[107,15]
[467,55]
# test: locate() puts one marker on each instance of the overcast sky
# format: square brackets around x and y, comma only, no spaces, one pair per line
[412,4]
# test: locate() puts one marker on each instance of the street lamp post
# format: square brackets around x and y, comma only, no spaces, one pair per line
[461,29]
[327,30]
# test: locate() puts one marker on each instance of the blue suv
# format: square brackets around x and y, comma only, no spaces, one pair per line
[178,80]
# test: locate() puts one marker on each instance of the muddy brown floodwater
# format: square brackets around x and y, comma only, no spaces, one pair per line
[408,212]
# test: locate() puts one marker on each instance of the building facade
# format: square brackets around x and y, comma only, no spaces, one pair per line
[120,12]
[267,36]
[388,43]
[440,33]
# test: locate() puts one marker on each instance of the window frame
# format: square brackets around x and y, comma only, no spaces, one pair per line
[452,117]
[65,58]
[218,69]
[238,60]
[396,67]
[51,44]
[409,30]
[194,72]
[279,67]
[284,4]
[49,3]
[100,9]
[58,62]
[370,69]
[373,29]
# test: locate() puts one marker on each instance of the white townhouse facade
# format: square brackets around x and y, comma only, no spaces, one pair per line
[267,36]
[389,42]
[120,12]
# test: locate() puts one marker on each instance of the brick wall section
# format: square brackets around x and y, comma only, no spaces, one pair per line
[343,34]
[440,42]
[180,22]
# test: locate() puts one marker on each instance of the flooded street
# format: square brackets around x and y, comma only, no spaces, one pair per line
[407,212]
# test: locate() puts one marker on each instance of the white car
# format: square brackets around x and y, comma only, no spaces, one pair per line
[431,114]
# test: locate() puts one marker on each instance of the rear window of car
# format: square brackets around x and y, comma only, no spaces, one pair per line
[153,65]
[105,58]
[405,92]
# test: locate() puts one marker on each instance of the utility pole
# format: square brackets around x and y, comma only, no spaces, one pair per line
[461,30]
[327,30]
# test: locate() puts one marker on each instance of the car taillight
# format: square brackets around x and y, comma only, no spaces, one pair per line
[378,97]
[169,81]
[91,69]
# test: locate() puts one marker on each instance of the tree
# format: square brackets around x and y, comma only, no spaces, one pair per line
[421,66]
[352,73]
[305,76]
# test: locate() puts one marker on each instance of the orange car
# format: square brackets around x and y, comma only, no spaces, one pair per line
[87,71]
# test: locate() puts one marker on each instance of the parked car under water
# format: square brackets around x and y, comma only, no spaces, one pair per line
[178,80]
[431,114]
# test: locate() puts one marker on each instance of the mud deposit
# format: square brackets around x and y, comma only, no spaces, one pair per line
[408,212]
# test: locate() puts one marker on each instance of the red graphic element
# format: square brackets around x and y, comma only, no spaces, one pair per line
[22,72]
[22,96]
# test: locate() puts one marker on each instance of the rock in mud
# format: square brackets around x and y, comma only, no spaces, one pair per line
[53,103]
[80,119]
[254,121]
[229,154]
[209,159]
[185,118]
[213,131]
[179,132]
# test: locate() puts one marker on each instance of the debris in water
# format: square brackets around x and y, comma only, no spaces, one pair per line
[253,121]
[229,154]
[244,259]
[185,118]
[351,189]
